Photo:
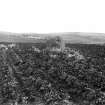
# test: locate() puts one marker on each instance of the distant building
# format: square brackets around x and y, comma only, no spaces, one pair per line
[2,46]
[11,45]
[36,49]
[73,53]
[55,49]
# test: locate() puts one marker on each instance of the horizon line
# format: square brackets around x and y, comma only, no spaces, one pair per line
[52,32]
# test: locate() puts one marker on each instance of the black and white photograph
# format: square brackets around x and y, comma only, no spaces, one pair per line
[52,52]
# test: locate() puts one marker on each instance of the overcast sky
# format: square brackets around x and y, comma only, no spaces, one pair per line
[47,16]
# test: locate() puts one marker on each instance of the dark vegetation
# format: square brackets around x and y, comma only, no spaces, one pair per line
[28,76]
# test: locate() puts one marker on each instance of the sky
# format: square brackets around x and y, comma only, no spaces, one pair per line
[50,16]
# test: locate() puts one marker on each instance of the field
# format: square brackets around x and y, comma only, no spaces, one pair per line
[34,74]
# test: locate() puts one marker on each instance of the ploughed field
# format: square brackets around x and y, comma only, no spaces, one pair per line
[31,74]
